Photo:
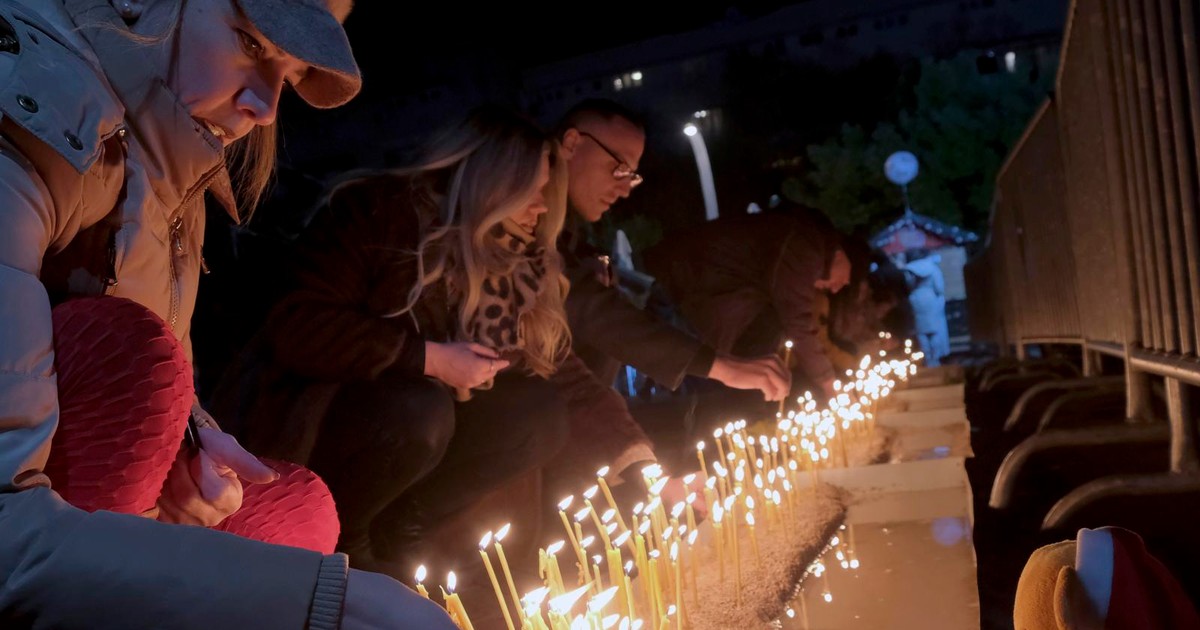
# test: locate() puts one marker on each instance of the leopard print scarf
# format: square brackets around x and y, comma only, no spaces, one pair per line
[504,298]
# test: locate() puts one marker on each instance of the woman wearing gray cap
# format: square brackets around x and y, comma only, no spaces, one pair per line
[118,117]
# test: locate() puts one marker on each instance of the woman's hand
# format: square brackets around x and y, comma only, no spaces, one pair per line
[462,365]
[203,488]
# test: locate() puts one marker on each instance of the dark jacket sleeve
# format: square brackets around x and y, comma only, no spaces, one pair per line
[799,266]
[602,432]
[601,317]
[352,272]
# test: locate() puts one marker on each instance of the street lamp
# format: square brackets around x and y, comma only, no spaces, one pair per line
[707,187]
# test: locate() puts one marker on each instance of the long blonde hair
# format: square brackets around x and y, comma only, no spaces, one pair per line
[491,162]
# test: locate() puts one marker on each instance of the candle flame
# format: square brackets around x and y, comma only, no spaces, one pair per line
[451,582]
[485,541]
[587,542]
[579,623]
[620,541]
[691,539]
[827,596]
[750,503]
[603,472]
[503,532]
[421,574]
[555,548]
[691,498]
[596,559]
[700,445]
[608,515]
[637,509]
[718,433]
[610,528]
[609,621]
[788,344]
[566,503]
[718,514]
[591,492]
[563,603]
[653,470]
[598,602]
[750,519]
[645,526]
[628,567]
[582,514]
[655,554]
[711,484]
[687,480]
[636,625]
[674,551]
[671,610]
[658,486]
[534,598]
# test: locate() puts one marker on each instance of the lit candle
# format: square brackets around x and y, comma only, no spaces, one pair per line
[512,587]
[719,540]
[560,607]
[615,567]
[691,559]
[717,439]
[556,581]
[654,584]
[595,577]
[487,563]
[629,589]
[421,578]
[753,538]
[700,456]
[691,513]
[596,572]
[678,585]
[533,609]
[454,605]
[642,560]
[600,474]
[579,555]
[587,500]
[596,606]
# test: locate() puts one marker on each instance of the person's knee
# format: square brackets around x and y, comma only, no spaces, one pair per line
[426,413]
[547,426]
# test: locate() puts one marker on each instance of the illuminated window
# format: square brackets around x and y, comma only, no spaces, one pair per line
[1010,61]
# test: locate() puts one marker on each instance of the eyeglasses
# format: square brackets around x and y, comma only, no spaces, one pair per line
[622,171]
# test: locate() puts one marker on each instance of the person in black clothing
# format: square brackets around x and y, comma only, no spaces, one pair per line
[603,143]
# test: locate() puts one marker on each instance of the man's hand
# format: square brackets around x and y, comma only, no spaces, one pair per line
[766,374]
[203,488]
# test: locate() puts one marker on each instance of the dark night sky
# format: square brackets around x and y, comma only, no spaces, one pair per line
[387,32]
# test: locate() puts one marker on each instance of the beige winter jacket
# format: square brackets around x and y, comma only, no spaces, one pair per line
[73,158]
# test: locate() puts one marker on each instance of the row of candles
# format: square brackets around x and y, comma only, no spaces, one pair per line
[752,483]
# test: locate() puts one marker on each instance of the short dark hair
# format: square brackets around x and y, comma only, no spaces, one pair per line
[600,108]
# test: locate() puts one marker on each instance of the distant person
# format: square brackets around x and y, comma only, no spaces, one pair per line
[928,299]
[747,284]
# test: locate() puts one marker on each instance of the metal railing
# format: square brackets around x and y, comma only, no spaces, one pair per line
[1094,237]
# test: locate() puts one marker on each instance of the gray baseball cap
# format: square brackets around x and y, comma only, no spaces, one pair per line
[311,30]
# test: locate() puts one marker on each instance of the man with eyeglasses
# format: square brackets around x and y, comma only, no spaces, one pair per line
[603,144]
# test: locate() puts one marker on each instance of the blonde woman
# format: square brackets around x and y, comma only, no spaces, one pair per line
[409,366]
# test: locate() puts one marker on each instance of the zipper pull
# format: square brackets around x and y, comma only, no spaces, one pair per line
[176,236]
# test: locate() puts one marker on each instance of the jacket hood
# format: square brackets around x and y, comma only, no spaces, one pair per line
[180,154]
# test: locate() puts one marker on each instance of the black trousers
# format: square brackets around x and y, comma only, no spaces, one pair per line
[399,453]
